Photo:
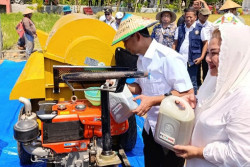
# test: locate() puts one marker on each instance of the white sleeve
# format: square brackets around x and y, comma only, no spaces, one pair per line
[205,34]
[175,72]
[235,151]
[113,26]
[176,34]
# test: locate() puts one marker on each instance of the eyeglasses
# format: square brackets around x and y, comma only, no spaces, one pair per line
[107,14]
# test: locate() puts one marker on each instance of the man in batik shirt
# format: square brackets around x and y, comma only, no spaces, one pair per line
[164,32]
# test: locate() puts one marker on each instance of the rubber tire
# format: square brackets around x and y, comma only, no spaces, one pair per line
[24,157]
[128,139]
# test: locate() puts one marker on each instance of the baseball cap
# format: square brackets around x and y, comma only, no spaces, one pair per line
[204,11]
[119,15]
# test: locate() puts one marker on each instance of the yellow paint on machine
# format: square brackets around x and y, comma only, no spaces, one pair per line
[31,82]
[64,113]
[75,39]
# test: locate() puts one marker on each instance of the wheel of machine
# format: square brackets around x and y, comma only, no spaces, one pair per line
[128,139]
[23,155]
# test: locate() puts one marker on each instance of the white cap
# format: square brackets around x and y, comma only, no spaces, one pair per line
[102,18]
[119,15]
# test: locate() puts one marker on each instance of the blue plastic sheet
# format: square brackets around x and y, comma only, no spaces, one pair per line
[9,111]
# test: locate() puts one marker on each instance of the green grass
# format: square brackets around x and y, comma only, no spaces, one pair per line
[45,22]
[42,21]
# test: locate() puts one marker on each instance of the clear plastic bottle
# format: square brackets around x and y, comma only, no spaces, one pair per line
[175,124]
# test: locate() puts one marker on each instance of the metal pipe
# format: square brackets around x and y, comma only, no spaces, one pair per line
[106,134]
[102,76]
[34,150]
[27,105]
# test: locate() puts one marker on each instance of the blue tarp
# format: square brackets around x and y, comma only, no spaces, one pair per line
[9,111]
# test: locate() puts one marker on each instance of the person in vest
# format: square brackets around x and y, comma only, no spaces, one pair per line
[197,5]
[191,43]
[164,32]
[108,16]
[30,31]
[203,20]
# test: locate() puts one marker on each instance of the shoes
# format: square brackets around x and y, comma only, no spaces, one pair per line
[21,48]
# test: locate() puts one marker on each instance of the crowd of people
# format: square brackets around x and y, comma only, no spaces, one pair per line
[172,56]
[192,58]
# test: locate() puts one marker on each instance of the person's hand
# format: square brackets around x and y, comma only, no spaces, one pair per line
[188,151]
[144,107]
[198,60]
[201,1]
[190,98]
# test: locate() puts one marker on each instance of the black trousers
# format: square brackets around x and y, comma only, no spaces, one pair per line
[204,67]
[157,156]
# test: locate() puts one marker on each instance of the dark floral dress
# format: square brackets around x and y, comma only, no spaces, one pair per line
[164,36]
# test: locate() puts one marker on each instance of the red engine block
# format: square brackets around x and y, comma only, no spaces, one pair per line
[90,116]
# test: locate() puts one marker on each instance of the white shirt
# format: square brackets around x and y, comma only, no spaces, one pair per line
[224,131]
[223,108]
[167,72]
[185,45]
[109,22]
[102,18]
[115,26]
[209,28]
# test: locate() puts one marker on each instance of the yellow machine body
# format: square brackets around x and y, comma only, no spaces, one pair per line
[75,39]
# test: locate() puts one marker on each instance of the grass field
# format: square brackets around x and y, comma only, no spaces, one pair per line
[45,22]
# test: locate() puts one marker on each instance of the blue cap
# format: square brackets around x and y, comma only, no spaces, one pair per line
[66,8]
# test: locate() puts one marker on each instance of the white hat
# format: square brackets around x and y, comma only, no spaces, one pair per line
[102,18]
[28,11]
[119,15]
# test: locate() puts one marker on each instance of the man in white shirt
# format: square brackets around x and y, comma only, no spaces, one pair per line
[118,18]
[108,16]
[167,73]
[203,20]
[197,5]
[191,43]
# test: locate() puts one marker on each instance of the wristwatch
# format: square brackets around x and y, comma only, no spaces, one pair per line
[168,94]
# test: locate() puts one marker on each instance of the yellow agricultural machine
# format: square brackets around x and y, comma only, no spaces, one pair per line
[58,125]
